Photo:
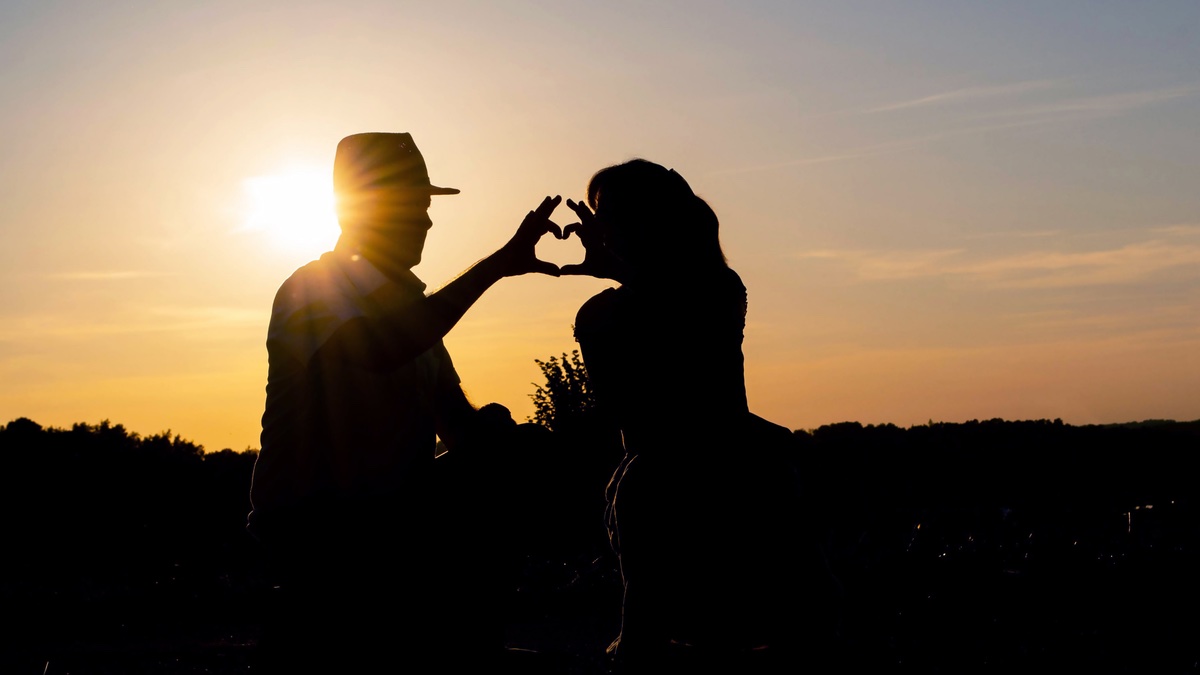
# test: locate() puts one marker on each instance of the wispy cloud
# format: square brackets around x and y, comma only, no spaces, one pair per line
[198,322]
[101,276]
[1130,263]
[891,265]
[877,149]
[1108,104]
[1178,230]
[193,317]
[820,159]
[1018,116]
[1166,323]
[1052,269]
[967,94]
[1026,234]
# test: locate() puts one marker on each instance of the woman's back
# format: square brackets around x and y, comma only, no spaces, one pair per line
[705,512]
[666,361]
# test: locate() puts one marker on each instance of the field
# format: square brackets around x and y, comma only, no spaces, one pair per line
[996,547]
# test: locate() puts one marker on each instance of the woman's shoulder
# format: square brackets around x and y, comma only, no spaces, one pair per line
[716,289]
[731,280]
[601,301]
[598,310]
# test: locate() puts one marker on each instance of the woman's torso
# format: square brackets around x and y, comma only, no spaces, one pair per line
[665,360]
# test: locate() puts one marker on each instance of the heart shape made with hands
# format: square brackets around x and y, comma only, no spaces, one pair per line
[565,251]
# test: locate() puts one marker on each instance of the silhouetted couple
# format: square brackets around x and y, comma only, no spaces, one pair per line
[379,554]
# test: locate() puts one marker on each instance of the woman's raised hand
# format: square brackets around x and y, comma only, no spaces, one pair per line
[598,261]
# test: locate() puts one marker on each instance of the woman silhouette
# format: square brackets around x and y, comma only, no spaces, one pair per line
[705,511]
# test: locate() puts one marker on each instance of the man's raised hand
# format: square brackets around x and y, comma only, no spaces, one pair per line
[519,254]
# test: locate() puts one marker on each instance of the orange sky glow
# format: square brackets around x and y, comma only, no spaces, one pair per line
[948,212]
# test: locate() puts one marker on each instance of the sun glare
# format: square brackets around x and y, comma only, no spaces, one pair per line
[293,209]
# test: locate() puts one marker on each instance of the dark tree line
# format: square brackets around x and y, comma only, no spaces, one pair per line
[109,535]
[1004,546]
[991,545]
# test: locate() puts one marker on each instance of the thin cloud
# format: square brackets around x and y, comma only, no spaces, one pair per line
[102,276]
[805,161]
[874,150]
[890,265]
[1031,115]
[885,148]
[1110,104]
[967,93]
[1050,269]
[1181,230]
[196,321]
[191,317]
[1130,263]
[1167,323]
[1026,234]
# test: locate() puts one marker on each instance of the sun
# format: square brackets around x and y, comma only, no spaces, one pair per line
[293,209]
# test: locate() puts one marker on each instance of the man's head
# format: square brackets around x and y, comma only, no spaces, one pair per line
[383,192]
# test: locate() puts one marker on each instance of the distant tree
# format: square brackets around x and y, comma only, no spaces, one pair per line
[566,400]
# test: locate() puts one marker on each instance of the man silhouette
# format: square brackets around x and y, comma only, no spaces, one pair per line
[359,389]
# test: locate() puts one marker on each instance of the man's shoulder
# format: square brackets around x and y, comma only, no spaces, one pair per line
[313,278]
[322,266]
[322,272]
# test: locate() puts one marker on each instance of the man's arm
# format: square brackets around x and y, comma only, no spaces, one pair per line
[393,339]
[455,416]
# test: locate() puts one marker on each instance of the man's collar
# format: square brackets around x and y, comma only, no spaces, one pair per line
[367,277]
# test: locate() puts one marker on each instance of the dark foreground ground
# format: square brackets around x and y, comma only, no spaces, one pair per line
[950,612]
[218,635]
[993,547]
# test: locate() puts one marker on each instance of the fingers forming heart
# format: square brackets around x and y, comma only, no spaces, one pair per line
[560,254]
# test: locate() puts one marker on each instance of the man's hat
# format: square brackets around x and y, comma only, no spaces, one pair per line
[378,160]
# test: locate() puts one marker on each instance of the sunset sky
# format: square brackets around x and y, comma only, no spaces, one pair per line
[942,210]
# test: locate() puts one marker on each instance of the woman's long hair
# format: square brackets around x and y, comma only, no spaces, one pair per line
[657,222]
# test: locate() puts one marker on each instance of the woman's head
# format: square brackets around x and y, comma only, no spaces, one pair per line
[652,219]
